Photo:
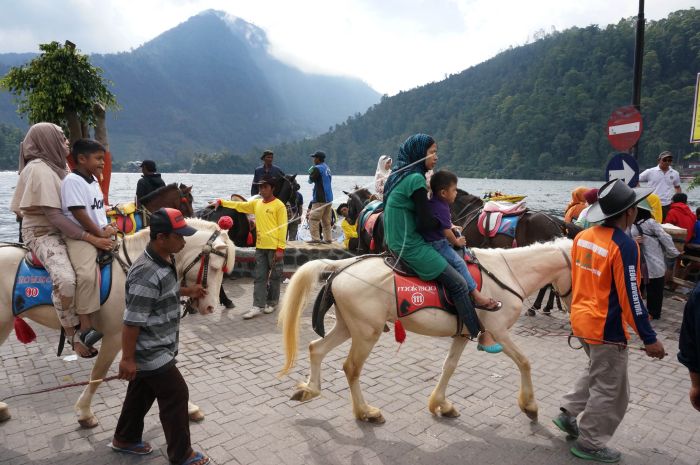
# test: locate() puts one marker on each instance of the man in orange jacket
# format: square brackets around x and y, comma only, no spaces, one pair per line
[605,300]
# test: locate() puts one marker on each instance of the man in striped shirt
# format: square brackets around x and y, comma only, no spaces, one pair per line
[605,300]
[150,343]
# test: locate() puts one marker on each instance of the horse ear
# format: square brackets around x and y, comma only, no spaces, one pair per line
[294,176]
[346,193]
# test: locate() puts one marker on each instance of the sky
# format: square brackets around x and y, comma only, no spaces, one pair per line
[393,45]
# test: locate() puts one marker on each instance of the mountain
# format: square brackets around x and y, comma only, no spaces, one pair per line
[210,84]
[537,111]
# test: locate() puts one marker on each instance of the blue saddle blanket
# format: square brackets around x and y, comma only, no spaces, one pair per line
[33,287]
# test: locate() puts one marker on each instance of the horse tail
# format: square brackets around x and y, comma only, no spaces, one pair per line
[295,298]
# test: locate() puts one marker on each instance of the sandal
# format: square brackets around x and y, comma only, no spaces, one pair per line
[137,448]
[197,459]
[92,352]
[492,307]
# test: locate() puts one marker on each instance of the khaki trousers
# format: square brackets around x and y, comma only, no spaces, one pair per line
[320,214]
[83,256]
[601,394]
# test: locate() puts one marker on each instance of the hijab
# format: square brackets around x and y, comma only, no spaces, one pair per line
[576,205]
[381,167]
[410,159]
[46,142]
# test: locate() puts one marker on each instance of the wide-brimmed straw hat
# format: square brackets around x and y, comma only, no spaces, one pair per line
[615,197]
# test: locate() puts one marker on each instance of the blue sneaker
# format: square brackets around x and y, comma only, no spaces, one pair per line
[492,349]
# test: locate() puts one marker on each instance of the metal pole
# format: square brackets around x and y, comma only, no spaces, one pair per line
[638,58]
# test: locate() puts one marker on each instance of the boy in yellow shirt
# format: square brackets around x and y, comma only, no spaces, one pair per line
[349,229]
[271,226]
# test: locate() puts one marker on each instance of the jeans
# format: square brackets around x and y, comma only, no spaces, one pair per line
[262,293]
[457,289]
[445,249]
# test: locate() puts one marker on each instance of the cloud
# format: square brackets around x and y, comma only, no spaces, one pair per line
[391,44]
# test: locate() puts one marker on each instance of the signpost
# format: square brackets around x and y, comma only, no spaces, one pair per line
[624,127]
[695,127]
[624,167]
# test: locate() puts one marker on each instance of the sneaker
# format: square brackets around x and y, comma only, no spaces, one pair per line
[269,309]
[255,311]
[228,303]
[605,454]
[567,423]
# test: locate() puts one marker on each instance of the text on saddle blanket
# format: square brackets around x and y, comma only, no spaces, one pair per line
[33,285]
[500,218]
[413,294]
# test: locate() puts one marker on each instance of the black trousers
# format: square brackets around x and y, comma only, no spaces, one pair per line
[170,389]
[655,296]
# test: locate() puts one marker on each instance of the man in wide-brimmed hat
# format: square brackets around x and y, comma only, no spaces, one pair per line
[605,300]
[271,240]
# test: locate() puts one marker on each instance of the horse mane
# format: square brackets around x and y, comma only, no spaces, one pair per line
[562,243]
[151,195]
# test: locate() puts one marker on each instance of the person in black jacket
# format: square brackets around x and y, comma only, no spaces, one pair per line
[689,344]
[150,180]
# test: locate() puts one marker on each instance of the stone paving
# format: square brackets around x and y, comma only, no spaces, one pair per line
[231,365]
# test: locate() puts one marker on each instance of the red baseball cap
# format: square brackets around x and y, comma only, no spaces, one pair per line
[170,220]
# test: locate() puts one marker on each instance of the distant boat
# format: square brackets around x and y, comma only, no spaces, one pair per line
[499,197]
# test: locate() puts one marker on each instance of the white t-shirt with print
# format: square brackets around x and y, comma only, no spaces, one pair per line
[76,191]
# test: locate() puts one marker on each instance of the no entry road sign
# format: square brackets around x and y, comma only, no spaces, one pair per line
[624,167]
[624,127]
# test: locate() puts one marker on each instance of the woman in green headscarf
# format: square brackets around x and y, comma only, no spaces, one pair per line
[406,214]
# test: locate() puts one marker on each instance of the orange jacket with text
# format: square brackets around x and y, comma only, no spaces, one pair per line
[605,282]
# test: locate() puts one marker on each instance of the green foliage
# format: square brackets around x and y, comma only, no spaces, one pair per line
[59,80]
[10,138]
[537,111]
[222,162]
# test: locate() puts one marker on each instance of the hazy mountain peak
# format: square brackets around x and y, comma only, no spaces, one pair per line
[241,28]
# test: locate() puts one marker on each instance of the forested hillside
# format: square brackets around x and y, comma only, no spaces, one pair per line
[536,111]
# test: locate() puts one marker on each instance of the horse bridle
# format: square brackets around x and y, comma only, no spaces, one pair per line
[203,273]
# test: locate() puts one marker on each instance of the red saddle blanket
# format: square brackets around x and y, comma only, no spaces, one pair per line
[413,294]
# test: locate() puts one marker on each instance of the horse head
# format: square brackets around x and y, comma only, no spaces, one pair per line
[286,188]
[357,200]
[464,205]
[186,201]
[207,255]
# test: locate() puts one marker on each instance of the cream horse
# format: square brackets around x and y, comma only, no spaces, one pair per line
[109,318]
[365,299]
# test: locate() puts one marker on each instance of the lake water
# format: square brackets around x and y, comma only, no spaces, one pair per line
[549,196]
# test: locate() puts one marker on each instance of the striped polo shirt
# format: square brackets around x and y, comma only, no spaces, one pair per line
[153,304]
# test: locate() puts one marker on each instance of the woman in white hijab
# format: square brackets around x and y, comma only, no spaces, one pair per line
[383,172]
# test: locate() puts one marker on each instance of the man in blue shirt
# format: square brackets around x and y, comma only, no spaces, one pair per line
[267,169]
[322,199]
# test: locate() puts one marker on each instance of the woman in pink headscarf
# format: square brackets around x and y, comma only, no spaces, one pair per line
[383,172]
[37,200]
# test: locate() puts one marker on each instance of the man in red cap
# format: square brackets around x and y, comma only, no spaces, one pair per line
[150,344]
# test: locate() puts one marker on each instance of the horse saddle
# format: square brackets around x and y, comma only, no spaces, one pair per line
[500,218]
[127,218]
[413,294]
[368,219]
[33,285]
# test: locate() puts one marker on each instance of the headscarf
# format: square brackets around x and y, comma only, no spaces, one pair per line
[410,159]
[46,142]
[380,175]
[577,204]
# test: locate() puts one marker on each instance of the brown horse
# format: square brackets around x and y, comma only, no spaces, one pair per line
[170,196]
[533,226]
[357,200]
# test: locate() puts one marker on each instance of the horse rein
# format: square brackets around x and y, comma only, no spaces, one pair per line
[203,273]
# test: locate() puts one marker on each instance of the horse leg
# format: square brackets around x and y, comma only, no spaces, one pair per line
[437,400]
[110,346]
[359,351]
[526,397]
[317,351]
[5,328]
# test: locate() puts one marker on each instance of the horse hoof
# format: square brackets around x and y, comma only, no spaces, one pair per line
[451,413]
[196,416]
[89,423]
[530,312]
[376,420]
[532,415]
[4,412]
[302,395]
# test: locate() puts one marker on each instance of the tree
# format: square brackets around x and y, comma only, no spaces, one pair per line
[62,87]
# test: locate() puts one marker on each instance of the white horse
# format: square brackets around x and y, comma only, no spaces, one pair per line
[365,300]
[109,318]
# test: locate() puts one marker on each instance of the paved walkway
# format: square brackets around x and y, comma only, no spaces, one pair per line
[231,366]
